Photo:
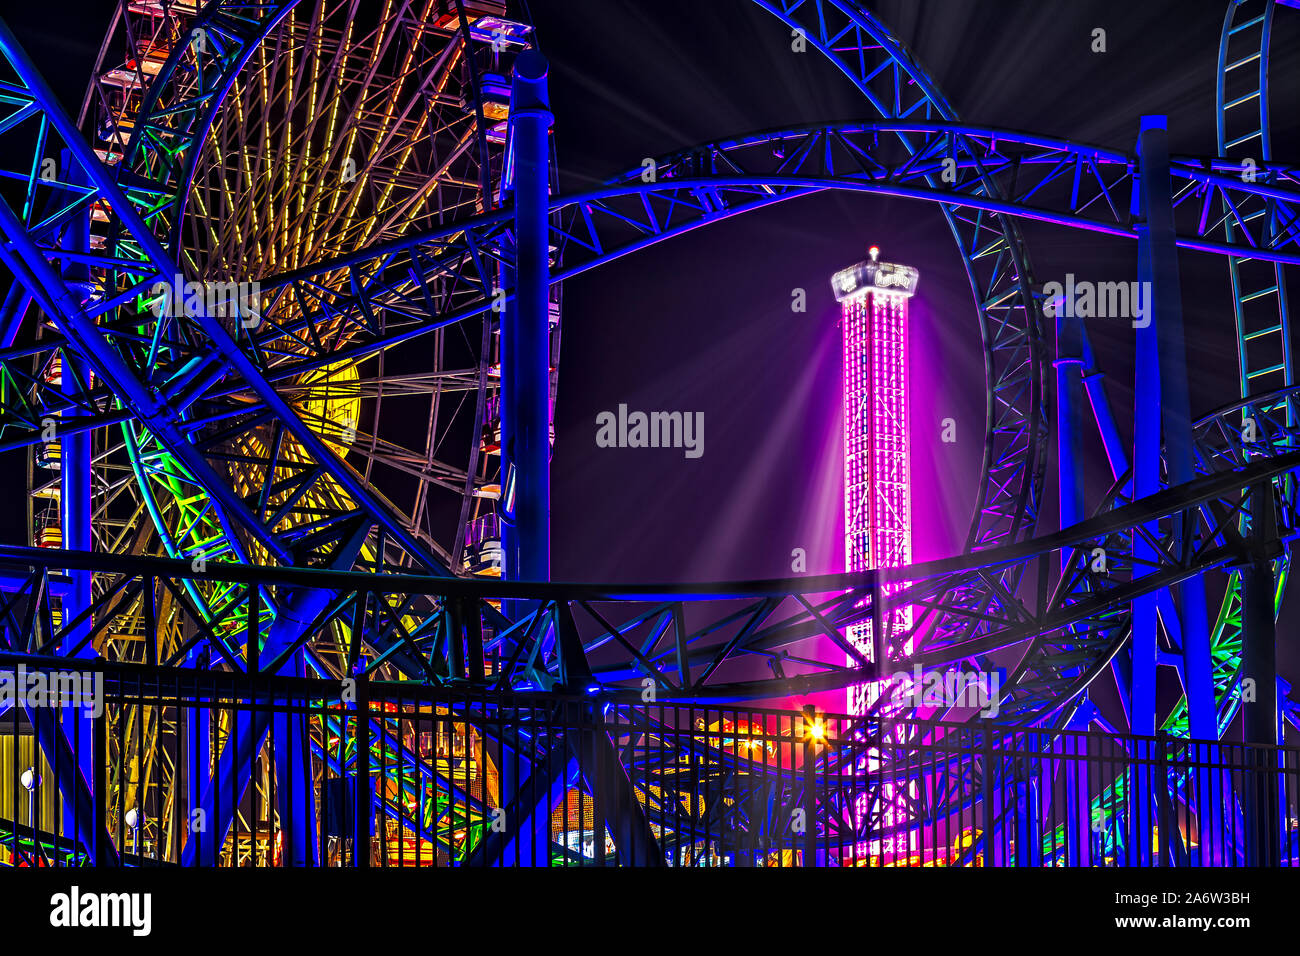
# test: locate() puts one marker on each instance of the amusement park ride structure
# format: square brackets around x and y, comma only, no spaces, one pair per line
[240,492]
[877,479]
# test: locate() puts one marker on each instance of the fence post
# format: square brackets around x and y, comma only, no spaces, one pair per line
[987,835]
[364,802]
[1162,795]
[809,787]
[598,789]
[99,793]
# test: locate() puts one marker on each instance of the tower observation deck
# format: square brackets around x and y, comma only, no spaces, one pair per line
[873,297]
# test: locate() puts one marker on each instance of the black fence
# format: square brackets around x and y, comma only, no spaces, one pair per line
[122,765]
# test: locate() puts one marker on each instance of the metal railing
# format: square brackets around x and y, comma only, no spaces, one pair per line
[134,766]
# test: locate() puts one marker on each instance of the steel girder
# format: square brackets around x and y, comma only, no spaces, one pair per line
[1242,112]
[940,141]
[684,660]
[394,282]
[1050,180]
[1259,301]
[819,5]
[412,287]
[693,643]
[664,224]
[1268,420]
[160,364]
[998,275]
[318,504]
[1215,503]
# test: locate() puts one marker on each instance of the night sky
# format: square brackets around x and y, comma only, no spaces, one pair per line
[703,323]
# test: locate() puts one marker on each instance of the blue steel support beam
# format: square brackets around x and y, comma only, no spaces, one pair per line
[75,772]
[1118,462]
[27,262]
[1094,384]
[293,775]
[526,839]
[1259,664]
[1163,412]
[1147,395]
[1162,419]
[617,806]
[17,301]
[234,765]
[73,785]
[1146,451]
[1158,258]
[1069,417]
[75,491]
[1117,459]
[1069,452]
[525,335]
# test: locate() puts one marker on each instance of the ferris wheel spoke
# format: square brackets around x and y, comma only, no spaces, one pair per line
[198,333]
[387,97]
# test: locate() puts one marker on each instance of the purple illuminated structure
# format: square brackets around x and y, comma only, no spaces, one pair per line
[877,482]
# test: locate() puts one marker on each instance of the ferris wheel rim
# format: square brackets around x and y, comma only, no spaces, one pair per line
[234,69]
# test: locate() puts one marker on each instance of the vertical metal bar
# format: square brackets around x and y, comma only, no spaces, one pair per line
[474,641]
[75,467]
[525,337]
[218,835]
[364,788]
[138,767]
[1259,665]
[121,739]
[193,831]
[987,729]
[14,773]
[1161,350]
[706,772]
[99,793]
[810,787]
[1161,770]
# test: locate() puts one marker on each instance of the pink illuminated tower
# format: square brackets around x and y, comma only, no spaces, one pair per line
[877,480]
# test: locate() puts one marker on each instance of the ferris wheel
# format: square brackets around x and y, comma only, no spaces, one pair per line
[257,145]
[327,128]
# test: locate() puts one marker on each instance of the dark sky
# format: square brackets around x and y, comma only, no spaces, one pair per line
[703,322]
